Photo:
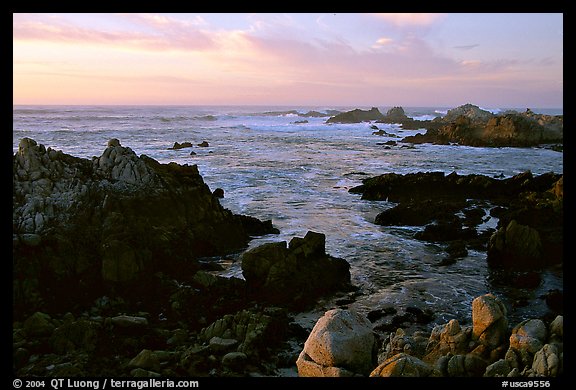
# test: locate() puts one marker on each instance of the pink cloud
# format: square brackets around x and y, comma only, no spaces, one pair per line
[410,19]
[165,34]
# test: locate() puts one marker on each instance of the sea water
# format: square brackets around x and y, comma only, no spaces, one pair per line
[288,165]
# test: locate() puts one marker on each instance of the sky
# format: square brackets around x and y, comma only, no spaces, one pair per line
[505,60]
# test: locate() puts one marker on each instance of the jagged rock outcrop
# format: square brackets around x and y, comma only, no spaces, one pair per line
[395,115]
[470,111]
[294,275]
[357,116]
[81,225]
[529,233]
[472,126]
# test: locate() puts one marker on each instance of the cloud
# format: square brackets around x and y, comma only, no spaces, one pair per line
[384,41]
[466,47]
[276,59]
[163,33]
[410,19]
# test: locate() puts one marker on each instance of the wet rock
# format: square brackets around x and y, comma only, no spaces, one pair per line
[356,116]
[296,275]
[178,145]
[517,246]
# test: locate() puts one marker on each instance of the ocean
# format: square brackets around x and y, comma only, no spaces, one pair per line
[286,164]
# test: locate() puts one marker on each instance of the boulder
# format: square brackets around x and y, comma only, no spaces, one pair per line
[518,246]
[527,338]
[38,324]
[446,339]
[246,331]
[548,361]
[490,323]
[402,365]
[146,360]
[342,339]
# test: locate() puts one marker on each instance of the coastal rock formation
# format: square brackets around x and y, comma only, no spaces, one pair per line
[470,111]
[357,116]
[84,226]
[294,275]
[395,115]
[472,126]
[529,233]
[487,348]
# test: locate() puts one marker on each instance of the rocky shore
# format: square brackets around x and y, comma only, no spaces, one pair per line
[468,125]
[111,271]
[454,208]
[343,344]
[112,261]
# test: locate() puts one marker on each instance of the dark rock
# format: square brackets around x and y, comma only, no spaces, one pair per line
[529,210]
[295,275]
[448,229]
[176,146]
[469,125]
[77,335]
[256,332]
[234,361]
[457,249]
[555,300]
[204,144]
[417,213]
[218,193]
[38,325]
[516,245]
[111,223]
[357,116]
[530,280]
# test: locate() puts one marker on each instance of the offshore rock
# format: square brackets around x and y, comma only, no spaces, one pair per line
[472,126]
[83,226]
[357,116]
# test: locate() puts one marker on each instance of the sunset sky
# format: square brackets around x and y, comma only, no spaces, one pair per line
[492,60]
